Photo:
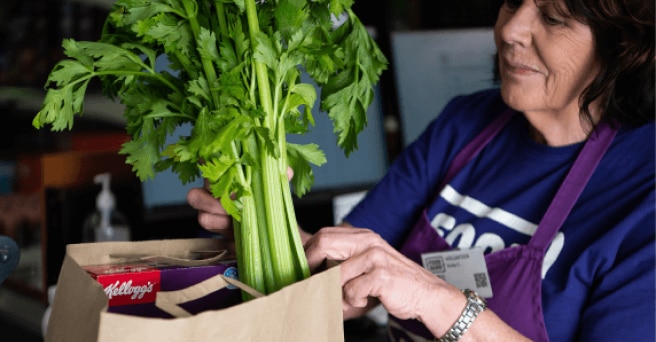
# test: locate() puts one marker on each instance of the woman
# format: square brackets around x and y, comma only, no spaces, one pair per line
[551,176]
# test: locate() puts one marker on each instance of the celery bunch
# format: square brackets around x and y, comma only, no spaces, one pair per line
[236,79]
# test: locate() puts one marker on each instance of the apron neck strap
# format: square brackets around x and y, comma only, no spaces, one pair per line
[572,187]
[476,145]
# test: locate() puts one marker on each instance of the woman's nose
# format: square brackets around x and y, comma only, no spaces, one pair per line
[516,26]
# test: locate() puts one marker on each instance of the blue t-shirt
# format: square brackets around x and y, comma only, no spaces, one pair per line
[598,275]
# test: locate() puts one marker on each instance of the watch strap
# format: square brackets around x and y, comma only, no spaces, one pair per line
[475,305]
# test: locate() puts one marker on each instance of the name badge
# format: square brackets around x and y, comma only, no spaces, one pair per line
[463,268]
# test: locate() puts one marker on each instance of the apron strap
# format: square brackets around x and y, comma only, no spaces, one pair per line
[572,187]
[476,145]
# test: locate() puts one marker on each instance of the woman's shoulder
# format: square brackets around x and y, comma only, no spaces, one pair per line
[633,153]
[476,108]
[481,102]
[465,115]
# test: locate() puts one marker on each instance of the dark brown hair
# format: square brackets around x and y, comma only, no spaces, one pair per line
[624,41]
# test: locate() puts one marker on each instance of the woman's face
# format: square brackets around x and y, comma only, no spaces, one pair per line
[546,59]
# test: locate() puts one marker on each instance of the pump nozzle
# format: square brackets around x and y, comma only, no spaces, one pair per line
[105,223]
[105,200]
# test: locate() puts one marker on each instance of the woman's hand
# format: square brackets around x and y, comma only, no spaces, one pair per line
[373,268]
[211,214]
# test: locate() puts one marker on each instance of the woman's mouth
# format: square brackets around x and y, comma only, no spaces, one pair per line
[518,68]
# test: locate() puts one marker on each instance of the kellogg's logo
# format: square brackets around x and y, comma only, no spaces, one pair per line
[131,288]
[126,289]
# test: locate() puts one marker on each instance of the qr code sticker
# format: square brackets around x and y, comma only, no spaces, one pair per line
[481,280]
[436,264]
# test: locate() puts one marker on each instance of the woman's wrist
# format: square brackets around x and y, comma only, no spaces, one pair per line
[443,310]
[447,309]
[475,305]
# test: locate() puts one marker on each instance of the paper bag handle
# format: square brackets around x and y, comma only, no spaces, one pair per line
[169,301]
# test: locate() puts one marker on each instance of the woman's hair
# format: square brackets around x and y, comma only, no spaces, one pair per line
[623,31]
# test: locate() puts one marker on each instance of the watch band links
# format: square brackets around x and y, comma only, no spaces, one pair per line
[475,305]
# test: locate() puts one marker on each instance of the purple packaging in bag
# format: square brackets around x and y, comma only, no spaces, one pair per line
[132,288]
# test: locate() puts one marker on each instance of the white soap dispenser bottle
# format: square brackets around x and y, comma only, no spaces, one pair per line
[106,223]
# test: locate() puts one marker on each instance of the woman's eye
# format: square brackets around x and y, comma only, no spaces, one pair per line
[553,21]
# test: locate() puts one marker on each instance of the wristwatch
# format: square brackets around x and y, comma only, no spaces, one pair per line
[475,305]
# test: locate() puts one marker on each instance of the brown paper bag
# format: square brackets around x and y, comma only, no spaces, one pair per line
[310,310]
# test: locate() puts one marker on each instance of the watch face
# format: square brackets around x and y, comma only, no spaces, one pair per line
[475,297]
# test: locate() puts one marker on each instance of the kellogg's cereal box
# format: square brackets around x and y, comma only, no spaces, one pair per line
[132,288]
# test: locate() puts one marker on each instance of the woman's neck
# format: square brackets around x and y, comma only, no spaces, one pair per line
[555,130]
[553,136]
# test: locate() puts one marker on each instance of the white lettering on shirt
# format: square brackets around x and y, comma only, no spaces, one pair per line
[448,228]
[479,209]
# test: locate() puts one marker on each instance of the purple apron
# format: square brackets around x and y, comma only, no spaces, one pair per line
[515,272]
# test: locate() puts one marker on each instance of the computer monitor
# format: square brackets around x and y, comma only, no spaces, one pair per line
[433,66]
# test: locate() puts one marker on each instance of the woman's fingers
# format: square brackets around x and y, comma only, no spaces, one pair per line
[401,287]
[338,243]
[201,199]
[372,268]
[211,214]
[290,173]
[357,291]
